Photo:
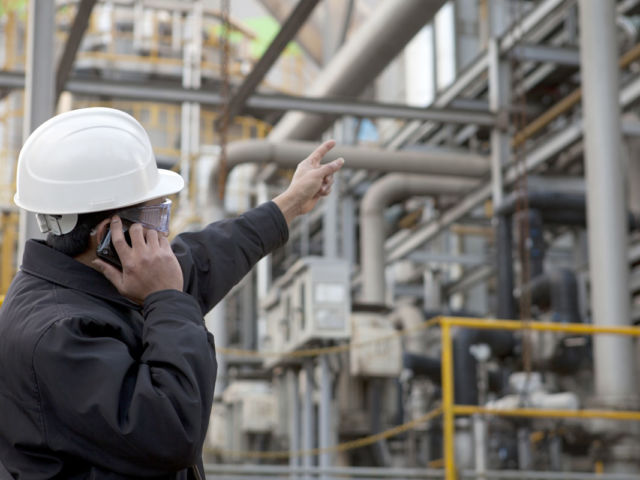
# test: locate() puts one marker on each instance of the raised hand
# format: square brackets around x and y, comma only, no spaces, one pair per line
[310,181]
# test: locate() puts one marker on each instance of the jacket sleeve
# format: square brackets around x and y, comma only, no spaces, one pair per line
[134,412]
[216,258]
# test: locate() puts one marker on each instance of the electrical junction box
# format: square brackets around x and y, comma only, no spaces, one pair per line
[311,302]
[376,347]
[251,405]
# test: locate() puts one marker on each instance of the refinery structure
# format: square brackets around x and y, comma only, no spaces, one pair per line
[464,304]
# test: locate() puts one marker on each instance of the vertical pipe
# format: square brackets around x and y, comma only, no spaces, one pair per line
[294,419]
[506,308]
[307,417]
[248,315]
[330,221]
[499,100]
[447,402]
[480,445]
[348,227]
[39,88]
[325,422]
[606,201]
[304,236]
[264,265]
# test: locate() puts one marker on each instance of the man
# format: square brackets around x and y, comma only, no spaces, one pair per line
[108,371]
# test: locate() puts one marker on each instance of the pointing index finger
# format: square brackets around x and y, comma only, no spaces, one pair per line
[316,156]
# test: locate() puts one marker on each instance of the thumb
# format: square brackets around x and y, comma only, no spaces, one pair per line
[109,271]
[331,167]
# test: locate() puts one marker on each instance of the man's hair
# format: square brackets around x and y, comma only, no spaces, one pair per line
[77,240]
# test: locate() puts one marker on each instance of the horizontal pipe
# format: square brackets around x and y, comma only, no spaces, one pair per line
[541,200]
[262,102]
[287,154]
[421,365]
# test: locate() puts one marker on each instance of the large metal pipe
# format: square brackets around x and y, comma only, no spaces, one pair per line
[287,154]
[372,47]
[389,189]
[606,202]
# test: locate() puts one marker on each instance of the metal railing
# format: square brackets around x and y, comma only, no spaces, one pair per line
[450,410]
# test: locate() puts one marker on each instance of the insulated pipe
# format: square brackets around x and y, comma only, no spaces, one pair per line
[506,307]
[371,48]
[431,368]
[380,194]
[409,317]
[287,154]
[606,203]
[556,207]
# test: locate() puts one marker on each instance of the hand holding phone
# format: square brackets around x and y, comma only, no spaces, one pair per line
[138,261]
[107,251]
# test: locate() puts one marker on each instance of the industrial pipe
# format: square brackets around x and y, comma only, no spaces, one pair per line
[606,207]
[367,52]
[552,207]
[431,368]
[287,154]
[559,291]
[382,193]
[465,364]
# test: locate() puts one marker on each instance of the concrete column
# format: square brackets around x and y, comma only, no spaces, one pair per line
[606,202]
[39,89]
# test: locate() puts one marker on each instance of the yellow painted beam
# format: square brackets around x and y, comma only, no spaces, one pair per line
[542,413]
[577,328]
[447,403]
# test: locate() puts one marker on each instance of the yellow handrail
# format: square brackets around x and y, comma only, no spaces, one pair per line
[450,409]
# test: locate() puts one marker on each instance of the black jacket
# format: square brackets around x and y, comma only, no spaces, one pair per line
[94,386]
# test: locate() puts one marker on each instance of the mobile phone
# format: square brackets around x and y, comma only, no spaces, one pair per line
[107,252]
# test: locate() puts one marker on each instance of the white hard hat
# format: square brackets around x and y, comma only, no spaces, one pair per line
[89,160]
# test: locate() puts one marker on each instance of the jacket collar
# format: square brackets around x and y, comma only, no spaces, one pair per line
[44,262]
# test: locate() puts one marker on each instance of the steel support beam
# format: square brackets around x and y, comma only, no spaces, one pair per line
[546,54]
[309,36]
[287,32]
[80,23]
[475,70]
[262,102]
[39,89]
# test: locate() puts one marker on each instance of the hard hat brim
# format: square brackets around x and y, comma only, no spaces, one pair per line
[168,183]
